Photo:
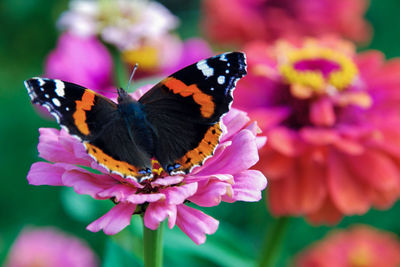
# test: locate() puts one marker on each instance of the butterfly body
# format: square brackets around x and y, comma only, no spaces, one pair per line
[177,122]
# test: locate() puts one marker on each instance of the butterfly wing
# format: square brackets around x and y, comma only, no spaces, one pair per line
[185,110]
[95,121]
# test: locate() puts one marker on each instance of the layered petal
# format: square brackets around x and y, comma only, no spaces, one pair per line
[195,224]
[115,220]
[157,212]
[241,155]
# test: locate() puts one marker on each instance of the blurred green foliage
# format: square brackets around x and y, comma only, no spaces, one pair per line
[28,33]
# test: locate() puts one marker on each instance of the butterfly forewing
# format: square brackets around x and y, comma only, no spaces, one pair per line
[185,110]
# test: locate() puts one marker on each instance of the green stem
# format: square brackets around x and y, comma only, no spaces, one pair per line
[153,246]
[273,242]
[120,69]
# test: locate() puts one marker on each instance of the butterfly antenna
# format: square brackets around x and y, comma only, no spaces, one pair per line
[130,78]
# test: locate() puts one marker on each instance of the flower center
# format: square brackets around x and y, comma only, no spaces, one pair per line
[317,69]
[146,56]
[360,257]
[157,170]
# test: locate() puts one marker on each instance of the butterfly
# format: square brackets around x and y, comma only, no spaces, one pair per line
[177,122]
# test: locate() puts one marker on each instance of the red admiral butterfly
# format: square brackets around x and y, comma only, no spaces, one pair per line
[176,122]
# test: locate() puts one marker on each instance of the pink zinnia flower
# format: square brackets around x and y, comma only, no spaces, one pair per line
[331,117]
[360,246]
[82,60]
[223,177]
[49,247]
[241,21]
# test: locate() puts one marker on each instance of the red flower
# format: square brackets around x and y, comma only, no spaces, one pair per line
[331,117]
[360,246]
[246,20]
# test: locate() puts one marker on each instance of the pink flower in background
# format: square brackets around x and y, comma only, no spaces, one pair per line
[223,177]
[360,246]
[82,60]
[49,247]
[333,126]
[246,20]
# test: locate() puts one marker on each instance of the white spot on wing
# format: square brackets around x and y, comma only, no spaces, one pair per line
[56,102]
[223,57]
[221,79]
[60,88]
[203,66]
[46,96]
[41,81]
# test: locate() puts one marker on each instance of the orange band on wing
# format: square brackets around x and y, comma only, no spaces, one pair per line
[82,106]
[205,101]
[205,149]
[121,167]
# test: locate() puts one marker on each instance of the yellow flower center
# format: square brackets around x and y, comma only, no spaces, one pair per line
[360,257]
[146,56]
[156,169]
[318,69]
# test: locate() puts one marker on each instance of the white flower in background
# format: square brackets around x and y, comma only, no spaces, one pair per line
[127,24]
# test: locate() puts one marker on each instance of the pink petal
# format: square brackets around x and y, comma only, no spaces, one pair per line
[241,155]
[85,182]
[260,140]
[219,152]
[349,146]
[275,165]
[322,112]
[248,186]
[119,191]
[168,180]
[115,220]
[303,191]
[327,214]
[285,141]
[74,144]
[269,117]
[377,169]
[348,194]
[43,173]
[157,212]
[234,121]
[195,223]
[142,198]
[319,136]
[197,178]
[210,193]
[178,194]
[50,148]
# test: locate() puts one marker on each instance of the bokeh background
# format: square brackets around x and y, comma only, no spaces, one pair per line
[28,33]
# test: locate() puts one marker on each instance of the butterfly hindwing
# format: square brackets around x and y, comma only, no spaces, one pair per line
[185,110]
[96,121]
